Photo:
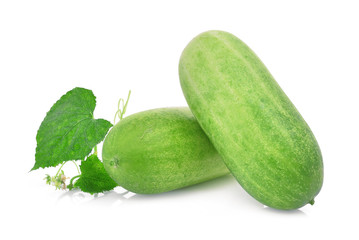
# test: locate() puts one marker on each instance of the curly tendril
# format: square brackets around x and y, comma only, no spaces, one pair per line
[121,108]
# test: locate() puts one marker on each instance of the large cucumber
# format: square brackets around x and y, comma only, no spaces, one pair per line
[260,135]
[160,150]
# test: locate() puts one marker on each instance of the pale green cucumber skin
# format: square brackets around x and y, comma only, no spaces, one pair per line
[259,133]
[160,150]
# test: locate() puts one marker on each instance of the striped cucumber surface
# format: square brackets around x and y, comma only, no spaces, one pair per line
[160,150]
[259,133]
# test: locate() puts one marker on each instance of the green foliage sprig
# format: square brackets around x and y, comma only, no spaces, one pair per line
[70,132]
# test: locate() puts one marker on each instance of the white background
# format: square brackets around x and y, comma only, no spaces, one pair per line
[49,47]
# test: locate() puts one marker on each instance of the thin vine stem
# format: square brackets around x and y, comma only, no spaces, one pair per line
[77,167]
[73,178]
[60,169]
[121,108]
[95,150]
[125,106]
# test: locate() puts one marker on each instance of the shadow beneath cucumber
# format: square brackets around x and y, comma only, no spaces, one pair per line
[219,185]
[210,185]
[221,190]
[76,196]
[228,187]
[294,212]
[225,187]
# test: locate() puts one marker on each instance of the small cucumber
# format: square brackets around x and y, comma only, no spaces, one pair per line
[262,138]
[160,150]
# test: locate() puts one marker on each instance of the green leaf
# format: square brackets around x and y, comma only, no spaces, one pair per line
[69,131]
[94,178]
